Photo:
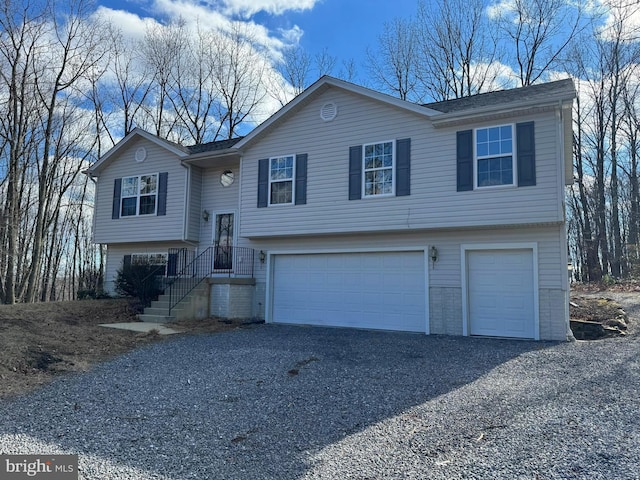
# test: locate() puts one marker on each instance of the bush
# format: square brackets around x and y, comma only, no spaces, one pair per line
[141,280]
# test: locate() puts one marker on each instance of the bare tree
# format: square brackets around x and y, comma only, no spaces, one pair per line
[457,48]
[539,31]
[393,65]
[163,45]
[238,74]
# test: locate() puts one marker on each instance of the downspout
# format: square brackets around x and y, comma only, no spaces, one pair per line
[564,254]
[186,202]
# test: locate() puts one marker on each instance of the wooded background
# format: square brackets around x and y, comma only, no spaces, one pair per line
[72,85]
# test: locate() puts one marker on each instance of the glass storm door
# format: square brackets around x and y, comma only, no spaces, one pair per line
[223,257]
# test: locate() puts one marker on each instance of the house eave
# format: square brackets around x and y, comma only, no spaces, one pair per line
[501,111]
[210,159]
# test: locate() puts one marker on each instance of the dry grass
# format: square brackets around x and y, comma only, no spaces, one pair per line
[41,341]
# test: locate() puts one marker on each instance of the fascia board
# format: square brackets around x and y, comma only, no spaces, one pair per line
[513,108]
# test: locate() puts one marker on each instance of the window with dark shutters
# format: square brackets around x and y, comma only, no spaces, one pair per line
[359,165]
[299,183]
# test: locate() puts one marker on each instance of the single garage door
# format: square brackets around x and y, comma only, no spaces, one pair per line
[501,293]
[381,290]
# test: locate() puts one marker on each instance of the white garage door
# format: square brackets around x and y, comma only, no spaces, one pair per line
[501,293]
[381,290]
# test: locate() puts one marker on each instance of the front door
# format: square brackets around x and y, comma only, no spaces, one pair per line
[223,242]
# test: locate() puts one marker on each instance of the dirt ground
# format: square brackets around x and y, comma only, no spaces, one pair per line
[39,342]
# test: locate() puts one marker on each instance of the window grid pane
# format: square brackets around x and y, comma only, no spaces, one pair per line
[495,171]
[139,195]
[129,206]
[494,153]
[147,205]
[281,180]
[378,169]
[281,192]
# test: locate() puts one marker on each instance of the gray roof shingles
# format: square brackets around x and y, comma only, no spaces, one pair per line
[500,97]
[213,146]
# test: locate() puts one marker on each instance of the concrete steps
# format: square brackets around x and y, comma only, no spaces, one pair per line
[195,306]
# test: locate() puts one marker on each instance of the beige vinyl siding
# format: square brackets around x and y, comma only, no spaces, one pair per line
[145,227]
[445,276]
[217,199]
[434,201]
[195,205]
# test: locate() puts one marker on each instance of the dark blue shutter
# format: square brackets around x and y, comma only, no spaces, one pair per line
[263,183]
[355,172]
[117,192]
[464,155]
[162,193]
[126,261]
[525,139]
[301,179]
[172,264]
[403,167]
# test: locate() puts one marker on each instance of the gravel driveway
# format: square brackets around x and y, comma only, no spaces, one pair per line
[279,402]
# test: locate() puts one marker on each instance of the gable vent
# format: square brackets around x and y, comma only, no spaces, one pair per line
[328,111]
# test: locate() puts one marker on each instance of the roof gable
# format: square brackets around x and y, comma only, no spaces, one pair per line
[320,86]
[122,144]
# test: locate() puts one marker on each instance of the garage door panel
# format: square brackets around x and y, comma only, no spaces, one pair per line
[501,295]
[379,290]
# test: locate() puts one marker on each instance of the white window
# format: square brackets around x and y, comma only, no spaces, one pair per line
[378,163]
[281,175]
[494,156]
[139,195]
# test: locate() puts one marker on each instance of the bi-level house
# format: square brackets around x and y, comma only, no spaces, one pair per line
[352,208]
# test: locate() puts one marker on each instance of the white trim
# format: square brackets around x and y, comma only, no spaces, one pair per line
[363,170]
[293,181]
[514,158]
[465,248]
[271,254]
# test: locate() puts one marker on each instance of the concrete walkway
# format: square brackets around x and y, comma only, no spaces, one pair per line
[143,327]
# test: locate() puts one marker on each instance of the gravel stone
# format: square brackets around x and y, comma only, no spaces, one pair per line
[280,402]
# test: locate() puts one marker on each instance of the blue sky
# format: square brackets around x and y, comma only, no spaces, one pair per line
[345,28]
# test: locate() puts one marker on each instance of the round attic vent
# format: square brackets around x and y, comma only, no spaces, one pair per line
[328,111]
[141,154]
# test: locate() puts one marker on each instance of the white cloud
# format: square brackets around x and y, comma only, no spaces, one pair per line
[247,8]
[131,25]
[621,19]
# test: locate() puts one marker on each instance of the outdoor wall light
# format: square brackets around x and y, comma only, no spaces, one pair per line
[205,215]
[263,256]
[433,253]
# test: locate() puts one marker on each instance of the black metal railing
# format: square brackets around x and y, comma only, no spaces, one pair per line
[237,261]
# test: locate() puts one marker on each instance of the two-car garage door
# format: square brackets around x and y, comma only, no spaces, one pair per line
[377,290]
[387,291]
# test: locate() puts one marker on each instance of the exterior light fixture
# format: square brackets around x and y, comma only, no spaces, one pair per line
[433,254]
[205,215]
[263,256]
